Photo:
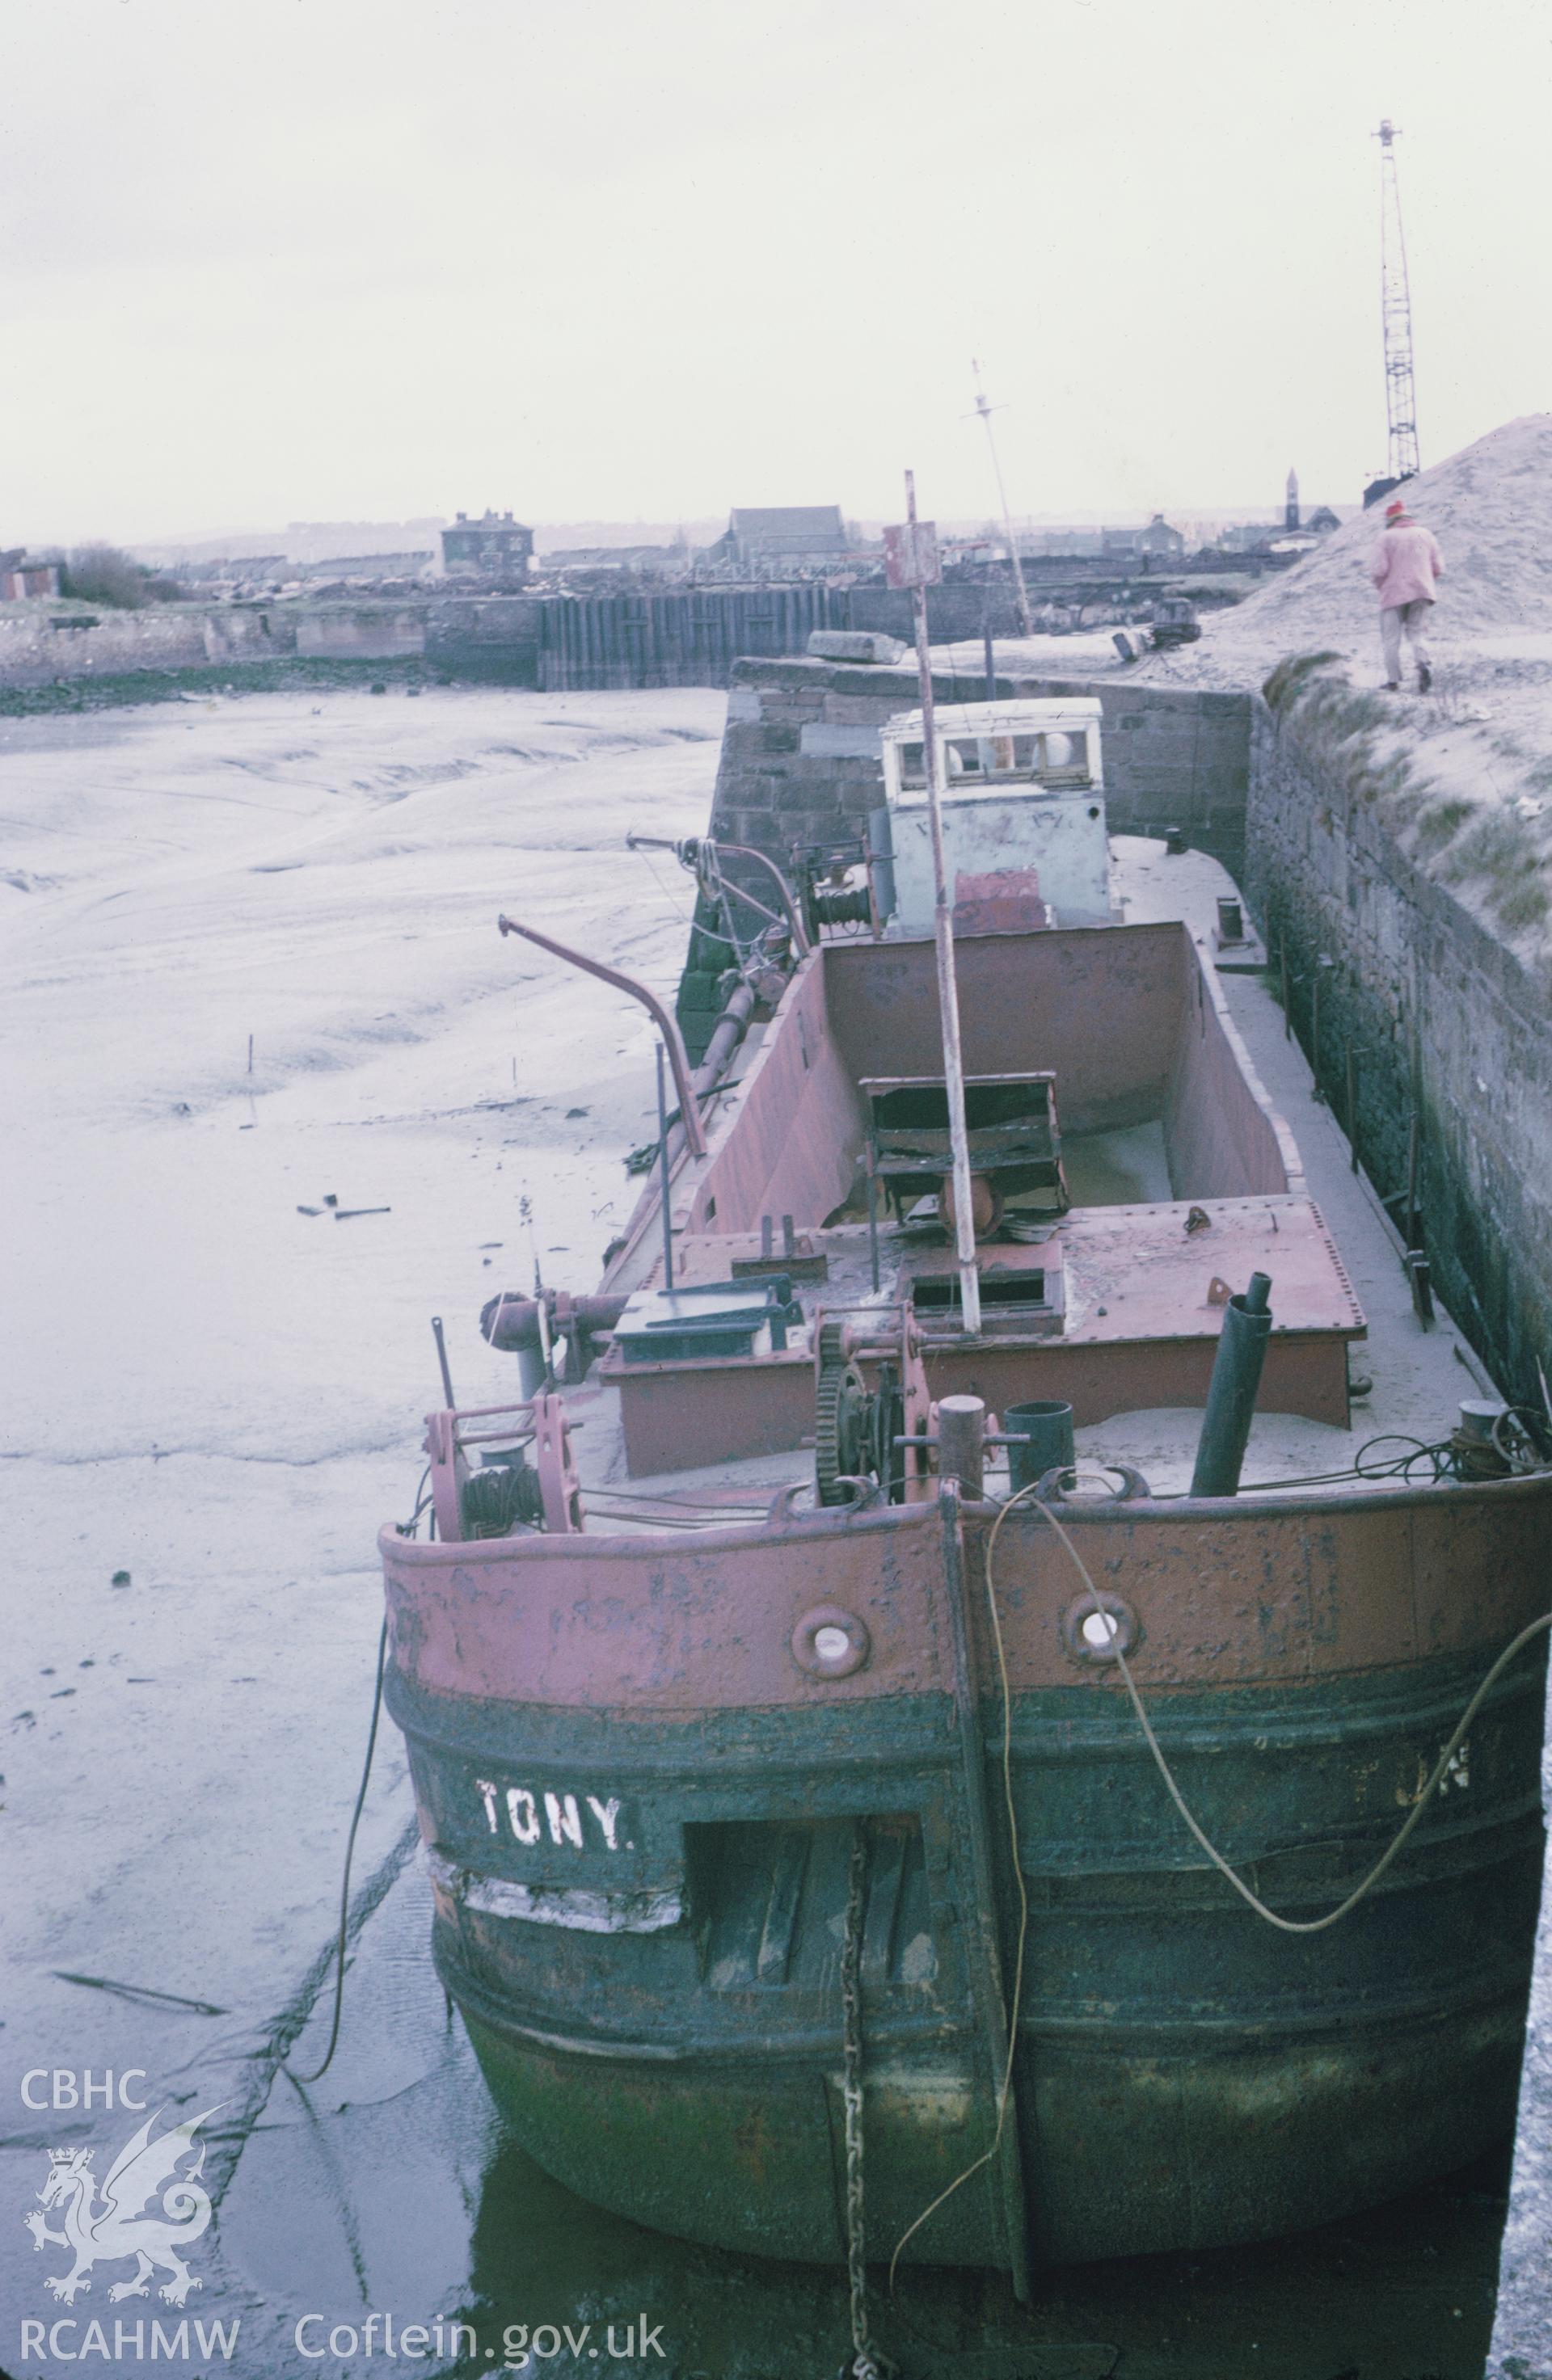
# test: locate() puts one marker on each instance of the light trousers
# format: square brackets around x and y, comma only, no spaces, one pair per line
[1413,618]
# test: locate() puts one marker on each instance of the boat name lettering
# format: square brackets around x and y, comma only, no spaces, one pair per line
[555,1818]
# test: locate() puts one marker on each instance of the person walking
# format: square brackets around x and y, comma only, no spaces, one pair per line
[1406,565]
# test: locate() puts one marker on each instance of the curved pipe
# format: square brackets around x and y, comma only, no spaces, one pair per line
[687,852]
[801,942]
[672,1041]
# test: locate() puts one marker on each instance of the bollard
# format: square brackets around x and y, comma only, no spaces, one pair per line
[1231,1393]
[961,1424]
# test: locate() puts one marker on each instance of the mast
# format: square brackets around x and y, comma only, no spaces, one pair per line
[1400,394]
[919,563]
[984,407]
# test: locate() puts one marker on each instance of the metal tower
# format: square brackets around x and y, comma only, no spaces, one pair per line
[1400,395]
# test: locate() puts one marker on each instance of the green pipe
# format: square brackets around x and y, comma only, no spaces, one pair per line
[1231,1393]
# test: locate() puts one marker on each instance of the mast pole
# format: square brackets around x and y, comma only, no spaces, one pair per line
[984,407]
[943,939]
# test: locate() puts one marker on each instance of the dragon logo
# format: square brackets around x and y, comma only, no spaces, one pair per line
[148,2211]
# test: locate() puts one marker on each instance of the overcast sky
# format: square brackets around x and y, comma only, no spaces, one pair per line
[278,259]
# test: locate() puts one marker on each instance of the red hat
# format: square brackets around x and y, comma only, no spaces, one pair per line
[1395,511]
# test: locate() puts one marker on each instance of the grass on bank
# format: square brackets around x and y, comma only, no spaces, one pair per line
[1485,847]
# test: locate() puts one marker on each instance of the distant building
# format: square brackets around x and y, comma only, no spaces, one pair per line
[649,561]
[785,536]
[19,579]
[494,547]
[1041,544]
[1292,534]
[1155,538]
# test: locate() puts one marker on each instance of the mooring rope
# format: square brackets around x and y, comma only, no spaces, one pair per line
[345,1880]
[1403,1833]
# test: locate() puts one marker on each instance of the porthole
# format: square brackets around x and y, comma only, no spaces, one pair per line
[830,1643]
[1097,1628]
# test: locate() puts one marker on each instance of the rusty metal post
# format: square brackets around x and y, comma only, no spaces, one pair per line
[442,1359]
[666,1194]
[872,1209]
[961,1453]
[1352,1109]
[984,1959]
[948,986]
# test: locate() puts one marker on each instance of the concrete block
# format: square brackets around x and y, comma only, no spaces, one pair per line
[854,645]
[743,706]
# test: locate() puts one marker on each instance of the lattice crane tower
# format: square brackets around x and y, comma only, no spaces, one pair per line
[1400,394]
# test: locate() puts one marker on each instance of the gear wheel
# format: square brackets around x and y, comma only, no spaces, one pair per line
[886,1423]
[842,1418]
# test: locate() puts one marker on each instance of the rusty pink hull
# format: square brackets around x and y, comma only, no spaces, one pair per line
[639,1806]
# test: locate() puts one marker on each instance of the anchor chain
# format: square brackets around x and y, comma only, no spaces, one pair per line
[866,2363]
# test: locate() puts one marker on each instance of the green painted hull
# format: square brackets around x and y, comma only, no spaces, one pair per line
[1185,2076]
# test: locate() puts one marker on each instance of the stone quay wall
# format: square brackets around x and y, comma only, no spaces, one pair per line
[39,645]
[1444,1023]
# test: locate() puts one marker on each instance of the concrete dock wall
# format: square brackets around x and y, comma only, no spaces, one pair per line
[39,645]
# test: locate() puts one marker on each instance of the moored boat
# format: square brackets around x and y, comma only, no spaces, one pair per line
[787,1722]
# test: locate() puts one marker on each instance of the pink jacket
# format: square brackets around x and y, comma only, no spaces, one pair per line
[1405,563]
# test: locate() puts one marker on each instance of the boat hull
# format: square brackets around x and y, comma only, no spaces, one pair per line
[1129,2154]
[644,1942]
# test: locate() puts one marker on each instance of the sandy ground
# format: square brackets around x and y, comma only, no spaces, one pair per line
[221,1397]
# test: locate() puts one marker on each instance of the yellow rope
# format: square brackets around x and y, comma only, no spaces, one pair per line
[1284,1925]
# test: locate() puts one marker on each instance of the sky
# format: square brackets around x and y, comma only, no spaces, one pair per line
[265,260]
